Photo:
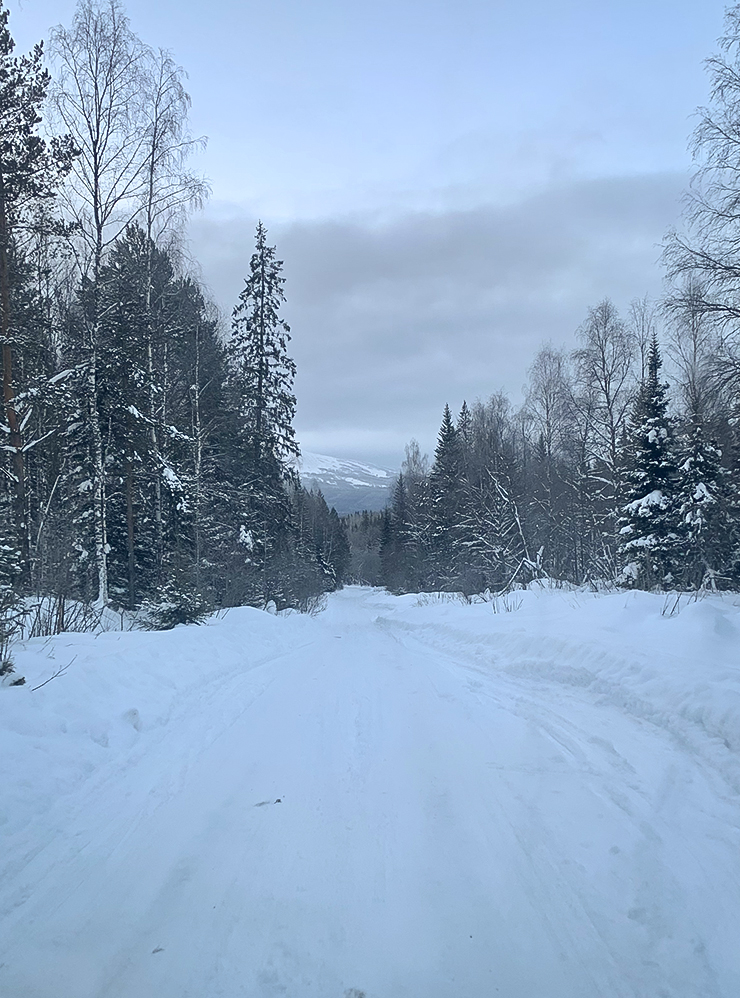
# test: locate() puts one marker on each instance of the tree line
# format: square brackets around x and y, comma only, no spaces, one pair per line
[595,478]
[605,473]
[147,457]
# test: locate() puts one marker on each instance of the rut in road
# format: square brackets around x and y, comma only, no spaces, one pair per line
[372,809]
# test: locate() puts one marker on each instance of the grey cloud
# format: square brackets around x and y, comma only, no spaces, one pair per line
[392,319]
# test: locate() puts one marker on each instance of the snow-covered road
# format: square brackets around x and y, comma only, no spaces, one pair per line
[383,800]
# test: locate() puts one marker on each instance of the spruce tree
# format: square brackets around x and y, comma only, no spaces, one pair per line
[443,504]
[396,548]
[649,541]
[144,452]
[704,511]
[262,375]
[263,371]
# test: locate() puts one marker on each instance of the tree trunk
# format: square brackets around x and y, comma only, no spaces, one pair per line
[15,438]
[197,456]
[154,440]
[99,493]
[130,533]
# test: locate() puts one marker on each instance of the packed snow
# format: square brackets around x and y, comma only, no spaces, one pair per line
[400,797]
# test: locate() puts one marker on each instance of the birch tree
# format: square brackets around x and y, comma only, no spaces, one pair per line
[97,97]
[126,109]
[170,191]
[706,249]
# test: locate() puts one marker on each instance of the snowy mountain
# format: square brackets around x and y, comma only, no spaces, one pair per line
[348,486]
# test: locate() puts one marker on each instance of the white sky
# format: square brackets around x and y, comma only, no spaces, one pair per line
[449,183]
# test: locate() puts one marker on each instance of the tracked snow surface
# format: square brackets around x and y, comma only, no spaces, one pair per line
[396,798]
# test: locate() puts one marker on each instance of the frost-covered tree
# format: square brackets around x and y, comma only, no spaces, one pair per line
[263,370]
[705,512]
[703,257]
[98,98]
[444,503]
[496,553]
[30,173]
[648,525]
[704,486]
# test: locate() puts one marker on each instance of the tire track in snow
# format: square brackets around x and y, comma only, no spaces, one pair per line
[661,863]
[447,829]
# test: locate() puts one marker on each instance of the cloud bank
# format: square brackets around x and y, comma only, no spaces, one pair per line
[393,318]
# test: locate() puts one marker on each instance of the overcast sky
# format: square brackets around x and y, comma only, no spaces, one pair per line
[449,183]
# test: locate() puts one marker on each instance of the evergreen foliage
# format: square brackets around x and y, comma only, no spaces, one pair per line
[30,172]
[149,457]
[263,372]
[443,502]
[705,512]
[649,524]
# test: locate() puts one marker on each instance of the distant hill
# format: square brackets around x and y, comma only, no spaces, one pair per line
[348,486]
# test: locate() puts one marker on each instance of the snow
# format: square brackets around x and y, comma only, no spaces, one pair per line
[657,434]
[349,486]
[354,481]
[61,376]
[537,797]
[702,493]
[246,538]
[656,498]
[171,478]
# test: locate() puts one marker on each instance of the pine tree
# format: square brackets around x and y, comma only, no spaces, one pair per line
[648,525]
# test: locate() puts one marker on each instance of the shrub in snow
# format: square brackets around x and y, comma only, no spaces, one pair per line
[6,674]
[177,604]
[11,613]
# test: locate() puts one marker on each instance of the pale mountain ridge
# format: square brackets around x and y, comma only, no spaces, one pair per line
[348,486]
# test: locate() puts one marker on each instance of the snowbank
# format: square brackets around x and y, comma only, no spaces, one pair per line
[671,661]
[122,693]
[675,667]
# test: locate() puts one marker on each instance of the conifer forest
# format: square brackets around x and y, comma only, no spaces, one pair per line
[149,450]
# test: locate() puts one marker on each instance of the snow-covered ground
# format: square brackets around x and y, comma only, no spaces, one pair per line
[400,798]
